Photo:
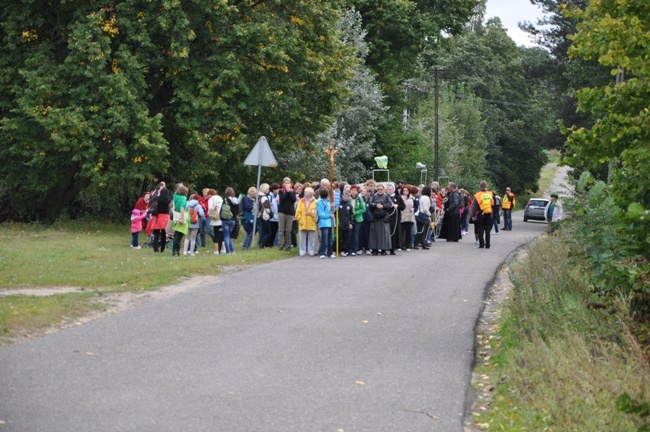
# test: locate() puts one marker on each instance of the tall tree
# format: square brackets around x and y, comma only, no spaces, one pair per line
[462,143]
[515,104]
[564,76]
[353,131]
[616,34]
[98,96]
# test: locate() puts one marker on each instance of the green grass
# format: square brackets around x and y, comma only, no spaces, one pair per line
[95,257]
[559,361]
[26,315]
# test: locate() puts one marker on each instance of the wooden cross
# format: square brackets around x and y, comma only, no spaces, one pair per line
[330,151]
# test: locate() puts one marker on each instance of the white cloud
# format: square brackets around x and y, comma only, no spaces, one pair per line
[512,12]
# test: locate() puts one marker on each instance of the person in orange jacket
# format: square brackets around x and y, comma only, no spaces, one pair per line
[481,211]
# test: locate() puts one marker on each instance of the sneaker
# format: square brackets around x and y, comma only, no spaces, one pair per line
[333,256]
[322,257]
[353,254]
[476,242]
[368,252]
[408,250]
[344,254]
[191,253]
[216,252]
[136,247]
[496,233]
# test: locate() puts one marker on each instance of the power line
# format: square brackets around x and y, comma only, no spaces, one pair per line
[413,87]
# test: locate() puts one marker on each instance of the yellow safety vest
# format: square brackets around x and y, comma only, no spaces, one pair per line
[508,204]
[484,201]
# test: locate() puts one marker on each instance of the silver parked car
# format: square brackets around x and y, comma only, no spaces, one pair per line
[535,209]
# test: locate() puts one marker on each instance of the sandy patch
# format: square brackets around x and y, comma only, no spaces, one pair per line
[114,303]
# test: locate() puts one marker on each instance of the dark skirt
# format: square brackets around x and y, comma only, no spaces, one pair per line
[453,227]
[379,236]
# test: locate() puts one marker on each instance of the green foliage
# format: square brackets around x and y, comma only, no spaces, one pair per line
[557,360]
[356,122]
[462,143]
[627,404]
[400,31]
[515,107]
[96,97]
[616,34]
[612,250]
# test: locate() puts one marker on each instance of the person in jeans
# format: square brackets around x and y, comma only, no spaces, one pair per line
[193,206]
[508,205]
[359,208]
[324,210]
[205,226]
[286,212]
[247,217]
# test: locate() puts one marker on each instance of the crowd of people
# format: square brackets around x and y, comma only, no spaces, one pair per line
[319,218]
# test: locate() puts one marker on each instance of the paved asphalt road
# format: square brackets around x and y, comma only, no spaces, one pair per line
[348,344]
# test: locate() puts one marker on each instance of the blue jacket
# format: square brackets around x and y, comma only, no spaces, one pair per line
[324,209]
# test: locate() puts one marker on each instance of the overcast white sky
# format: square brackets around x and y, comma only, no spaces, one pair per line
[512,12]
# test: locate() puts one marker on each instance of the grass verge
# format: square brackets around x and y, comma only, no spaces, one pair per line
[22,316]
[93,256]
[555,361]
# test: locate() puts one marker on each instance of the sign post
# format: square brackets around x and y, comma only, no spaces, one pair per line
[261,155]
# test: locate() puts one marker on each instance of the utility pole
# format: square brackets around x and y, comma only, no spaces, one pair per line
[620,77]
[436,138]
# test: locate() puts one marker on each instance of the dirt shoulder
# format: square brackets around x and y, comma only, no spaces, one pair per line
[482,385]
[111,302]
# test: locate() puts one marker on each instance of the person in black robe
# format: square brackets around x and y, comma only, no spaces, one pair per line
[395,218]
[454,204]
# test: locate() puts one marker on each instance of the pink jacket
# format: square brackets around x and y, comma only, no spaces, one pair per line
[136,220]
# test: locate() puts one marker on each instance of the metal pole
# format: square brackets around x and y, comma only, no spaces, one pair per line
[436,142]
[257,193]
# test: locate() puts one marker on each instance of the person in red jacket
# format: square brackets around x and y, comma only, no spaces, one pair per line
[205,222]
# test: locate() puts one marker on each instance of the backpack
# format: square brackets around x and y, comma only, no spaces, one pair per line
[194,215]
[213,212]
[226,213]
[497,201]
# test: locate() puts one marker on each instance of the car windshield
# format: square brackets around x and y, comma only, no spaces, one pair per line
[538,203]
